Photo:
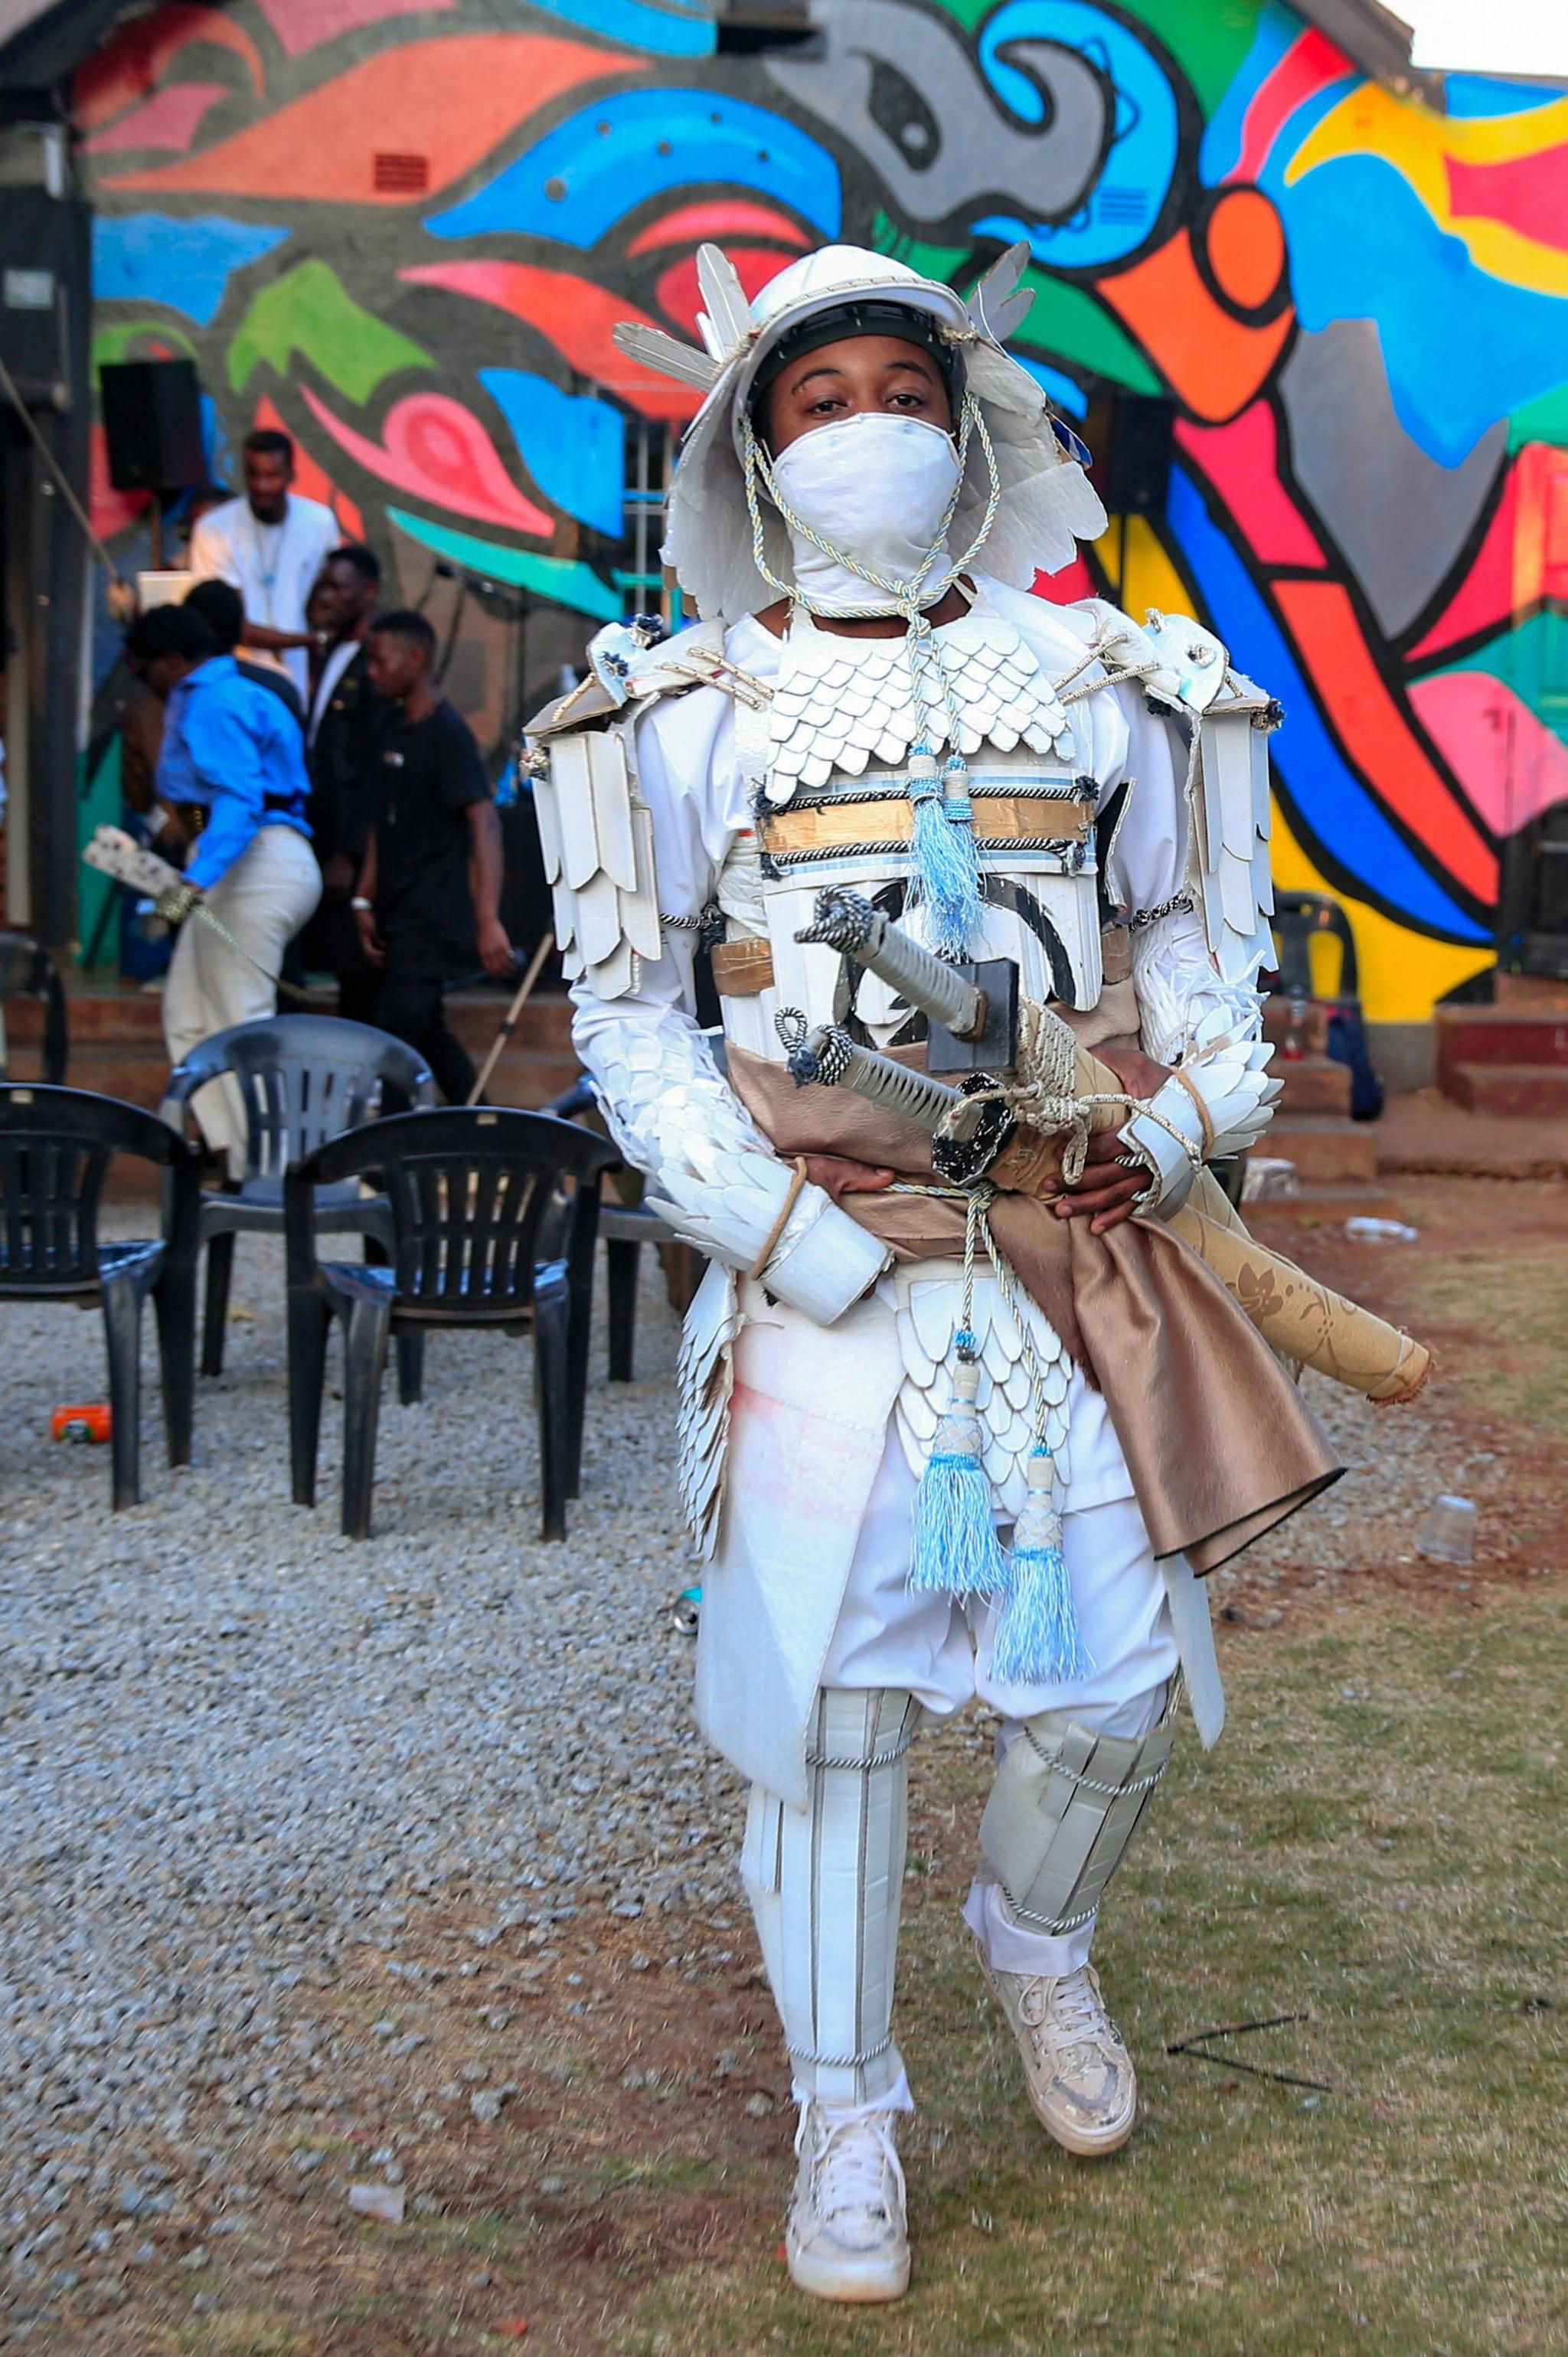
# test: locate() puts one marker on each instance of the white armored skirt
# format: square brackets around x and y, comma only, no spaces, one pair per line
[786,1424]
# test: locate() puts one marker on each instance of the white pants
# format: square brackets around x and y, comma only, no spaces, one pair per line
[262,900]
[889,1635]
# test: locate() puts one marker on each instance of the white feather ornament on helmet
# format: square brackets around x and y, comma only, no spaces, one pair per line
[1046,504]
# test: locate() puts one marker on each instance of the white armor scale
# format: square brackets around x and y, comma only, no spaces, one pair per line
[840,716]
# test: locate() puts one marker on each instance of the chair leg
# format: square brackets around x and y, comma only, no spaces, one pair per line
[310,1325]
[173,1303]
[215,1320]
[365,1337]
[410,1367]
[553,1402]
[123,1334]
[620,1269]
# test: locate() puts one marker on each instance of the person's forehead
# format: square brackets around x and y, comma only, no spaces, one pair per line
[863,351]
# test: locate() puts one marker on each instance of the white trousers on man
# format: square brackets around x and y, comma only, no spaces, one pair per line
[263,900]
[824,1883]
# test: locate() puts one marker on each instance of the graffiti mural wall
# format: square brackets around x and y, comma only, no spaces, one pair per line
[405,229]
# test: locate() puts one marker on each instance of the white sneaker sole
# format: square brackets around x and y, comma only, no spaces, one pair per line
[877,2278]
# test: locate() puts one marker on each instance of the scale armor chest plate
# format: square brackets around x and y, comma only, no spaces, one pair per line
[835,807]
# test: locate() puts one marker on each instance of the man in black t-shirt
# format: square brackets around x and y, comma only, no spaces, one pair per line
[429,896]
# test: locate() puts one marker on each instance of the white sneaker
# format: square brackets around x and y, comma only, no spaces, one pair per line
[1078,2073]
[847,2237]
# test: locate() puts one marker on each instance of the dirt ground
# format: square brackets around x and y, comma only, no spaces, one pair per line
[629,2199]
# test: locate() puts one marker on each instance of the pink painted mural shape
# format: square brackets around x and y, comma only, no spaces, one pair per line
[302,24]
[170,119]
[1309,65]
[1512,767]
[437,451]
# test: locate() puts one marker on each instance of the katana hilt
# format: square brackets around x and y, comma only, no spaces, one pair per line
[972,1010]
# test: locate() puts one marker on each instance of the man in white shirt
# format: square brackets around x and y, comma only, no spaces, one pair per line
[271,544]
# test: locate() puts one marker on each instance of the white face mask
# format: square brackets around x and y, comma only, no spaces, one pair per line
[878,486]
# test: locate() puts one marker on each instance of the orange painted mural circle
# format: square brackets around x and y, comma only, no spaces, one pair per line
[1246,247]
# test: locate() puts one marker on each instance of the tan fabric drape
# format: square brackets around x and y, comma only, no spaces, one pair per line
[1218,1441]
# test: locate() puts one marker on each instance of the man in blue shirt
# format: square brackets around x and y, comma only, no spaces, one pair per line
[232,767]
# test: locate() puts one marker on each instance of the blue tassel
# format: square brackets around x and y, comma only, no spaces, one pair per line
[946,865]
[1039,1641]
[954,1549]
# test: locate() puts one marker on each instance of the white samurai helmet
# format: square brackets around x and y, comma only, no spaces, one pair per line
[1046,506]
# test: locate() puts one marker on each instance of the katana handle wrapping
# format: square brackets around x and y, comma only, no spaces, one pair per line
[847,923]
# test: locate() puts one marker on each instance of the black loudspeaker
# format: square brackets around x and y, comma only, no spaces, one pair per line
[152,423]
[1129,434]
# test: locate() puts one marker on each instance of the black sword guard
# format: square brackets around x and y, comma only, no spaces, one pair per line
[994,1049]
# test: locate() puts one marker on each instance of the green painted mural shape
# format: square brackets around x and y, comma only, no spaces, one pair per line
[567,582]
[1065,321]
[310,311]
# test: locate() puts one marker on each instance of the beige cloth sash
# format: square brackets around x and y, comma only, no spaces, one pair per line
[1219,1443]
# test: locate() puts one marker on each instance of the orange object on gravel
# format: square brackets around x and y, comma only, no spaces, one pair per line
[91,1422]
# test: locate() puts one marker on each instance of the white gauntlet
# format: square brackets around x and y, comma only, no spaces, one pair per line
[1224,1098]
[711,1172]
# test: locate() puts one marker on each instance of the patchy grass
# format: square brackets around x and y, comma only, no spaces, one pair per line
[1372,1847]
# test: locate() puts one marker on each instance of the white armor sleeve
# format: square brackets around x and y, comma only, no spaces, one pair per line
[1193,1017]
[711,1172]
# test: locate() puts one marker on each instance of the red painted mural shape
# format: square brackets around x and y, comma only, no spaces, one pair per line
[436,450]
[127,67]
[576,317]
[170,119]
[719,218]
[304,25]
[448,101]
[1241,461]
[678,290]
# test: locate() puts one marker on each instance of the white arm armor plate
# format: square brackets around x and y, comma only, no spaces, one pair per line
[1194,1018]
[1227,788]
[596,836]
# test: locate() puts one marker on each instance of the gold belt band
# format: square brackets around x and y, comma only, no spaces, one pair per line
[999,819]
[742,968]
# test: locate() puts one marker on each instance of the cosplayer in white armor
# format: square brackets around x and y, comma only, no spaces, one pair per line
[720,781]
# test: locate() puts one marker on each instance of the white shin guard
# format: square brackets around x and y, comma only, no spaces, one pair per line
[825,1884]
[1063,1811]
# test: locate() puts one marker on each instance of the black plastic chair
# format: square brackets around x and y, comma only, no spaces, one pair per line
[470,1190]
[27,971]
[54,1147]
[626,1227]
[1298,917]
[304,1079]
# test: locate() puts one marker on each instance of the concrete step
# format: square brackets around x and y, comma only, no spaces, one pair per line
[1513,1035]
[117,1044]
[1318,1206]
[1311,1029]
[1518,1091]
[1312,1084]
[1325,1149]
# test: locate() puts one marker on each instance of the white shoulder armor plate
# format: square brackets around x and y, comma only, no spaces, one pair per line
[1228,788]
[594,829]
[597,835]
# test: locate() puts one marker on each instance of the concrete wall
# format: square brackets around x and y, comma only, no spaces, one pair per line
[405,229]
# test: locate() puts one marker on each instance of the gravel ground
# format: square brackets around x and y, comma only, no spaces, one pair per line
[239,1752]
[244,1761]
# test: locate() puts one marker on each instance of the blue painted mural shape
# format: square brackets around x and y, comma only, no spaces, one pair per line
[1145,135]
[1332,802]
[676,29]
[574,446]
[583,176]
[186,265]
